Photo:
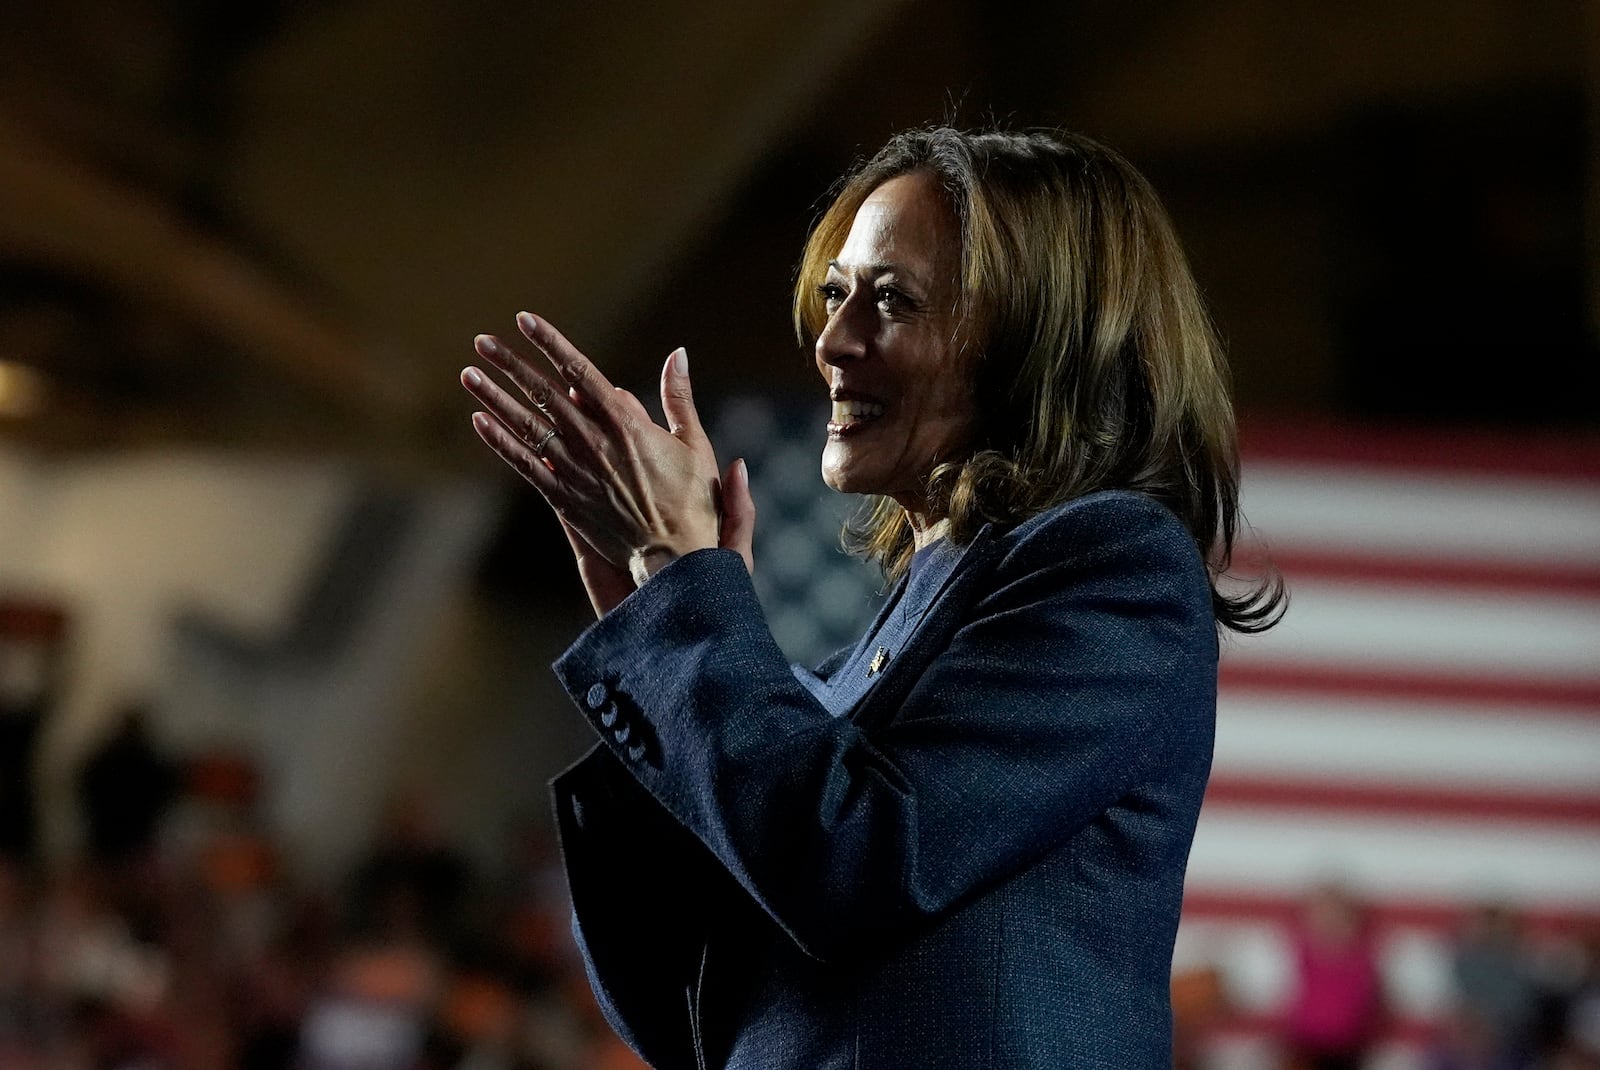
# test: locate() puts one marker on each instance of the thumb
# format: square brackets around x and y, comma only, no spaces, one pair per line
[738,514]
[677,398]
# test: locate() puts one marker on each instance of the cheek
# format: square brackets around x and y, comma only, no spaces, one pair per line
[952,408]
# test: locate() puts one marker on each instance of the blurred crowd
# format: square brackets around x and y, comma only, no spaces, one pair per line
[1525,999]
[184,940]
[1524,996]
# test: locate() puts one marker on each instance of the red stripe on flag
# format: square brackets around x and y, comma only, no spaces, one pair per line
[1389,798]
[1384,912]
[1519,577]
[1551,694]
[1574,456]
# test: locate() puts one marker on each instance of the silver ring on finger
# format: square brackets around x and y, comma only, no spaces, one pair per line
[538,447]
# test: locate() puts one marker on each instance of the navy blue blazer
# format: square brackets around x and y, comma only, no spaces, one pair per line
[961,845]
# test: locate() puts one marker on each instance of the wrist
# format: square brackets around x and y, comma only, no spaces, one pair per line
[646,562]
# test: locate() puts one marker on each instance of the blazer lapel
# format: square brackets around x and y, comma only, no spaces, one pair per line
[921,636]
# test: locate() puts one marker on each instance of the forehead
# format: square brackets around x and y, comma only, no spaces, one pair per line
[907,220]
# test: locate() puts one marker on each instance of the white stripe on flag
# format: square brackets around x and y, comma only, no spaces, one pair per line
[1474,633]
[1413,743]
[1440,514]
[1453,859]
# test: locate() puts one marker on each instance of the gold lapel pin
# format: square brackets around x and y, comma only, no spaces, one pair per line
[880,658]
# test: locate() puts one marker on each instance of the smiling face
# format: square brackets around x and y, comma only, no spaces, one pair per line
[891,352]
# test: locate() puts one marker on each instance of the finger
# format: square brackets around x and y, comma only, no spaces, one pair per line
[631,403]
[533,430]
[551,401]
[677,399]
[538,387]
[517,454]
[738,528]
[575,369]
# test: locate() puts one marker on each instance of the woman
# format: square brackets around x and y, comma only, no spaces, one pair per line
[962,843]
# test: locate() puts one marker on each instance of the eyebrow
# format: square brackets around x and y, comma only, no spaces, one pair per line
[881,269]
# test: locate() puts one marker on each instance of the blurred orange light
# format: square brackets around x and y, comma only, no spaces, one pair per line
[21,389]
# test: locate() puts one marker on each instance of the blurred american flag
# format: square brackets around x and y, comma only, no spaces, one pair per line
[1423,728]
[817,599]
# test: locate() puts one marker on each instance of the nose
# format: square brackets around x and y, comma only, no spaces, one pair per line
[844,337]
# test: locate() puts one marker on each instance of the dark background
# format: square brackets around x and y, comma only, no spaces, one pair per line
[279,223]
[244,248]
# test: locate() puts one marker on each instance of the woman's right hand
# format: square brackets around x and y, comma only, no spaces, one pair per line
[640,493]
[607,584]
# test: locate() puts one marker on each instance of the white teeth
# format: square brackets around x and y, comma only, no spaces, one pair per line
[849,412]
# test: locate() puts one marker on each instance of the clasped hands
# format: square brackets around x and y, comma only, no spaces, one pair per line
[630,494]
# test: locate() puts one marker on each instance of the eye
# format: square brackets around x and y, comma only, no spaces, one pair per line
[832,295]
[890,299]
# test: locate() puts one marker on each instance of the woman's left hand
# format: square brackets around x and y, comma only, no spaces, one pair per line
[636,494]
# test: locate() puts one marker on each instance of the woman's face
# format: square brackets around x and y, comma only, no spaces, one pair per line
[891,352]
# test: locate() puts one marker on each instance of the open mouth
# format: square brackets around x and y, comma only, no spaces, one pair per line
[850,414]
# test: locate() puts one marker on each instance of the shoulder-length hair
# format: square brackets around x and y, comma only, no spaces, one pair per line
[1098,366]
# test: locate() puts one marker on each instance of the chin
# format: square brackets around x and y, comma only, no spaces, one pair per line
[840,474]
[838,481]
[852,483]
[844,482]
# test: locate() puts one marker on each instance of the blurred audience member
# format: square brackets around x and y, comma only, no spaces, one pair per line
[1337,1010]
[1199,1002]
[1469,1042]
[277,990]
[32,638]
[124,789]
[412,880]
[373,1012]
[1494,987]
[16,1008]
[1579,1044]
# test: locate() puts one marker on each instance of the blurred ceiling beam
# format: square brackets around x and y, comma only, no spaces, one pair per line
[488,156]
[64,216]
[425,170]
[1194,73]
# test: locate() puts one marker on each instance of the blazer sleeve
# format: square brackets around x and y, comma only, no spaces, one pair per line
[1088,651]
[640,887]
[644,893]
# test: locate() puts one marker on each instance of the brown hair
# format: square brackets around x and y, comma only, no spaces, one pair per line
[1099,365]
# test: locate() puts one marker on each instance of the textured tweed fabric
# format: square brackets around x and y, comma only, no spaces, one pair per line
[960,844]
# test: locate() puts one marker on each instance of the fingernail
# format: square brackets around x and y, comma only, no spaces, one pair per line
[744,472]
[680,361]
[526,321]
[472,377]
[485,345]
[480,420]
